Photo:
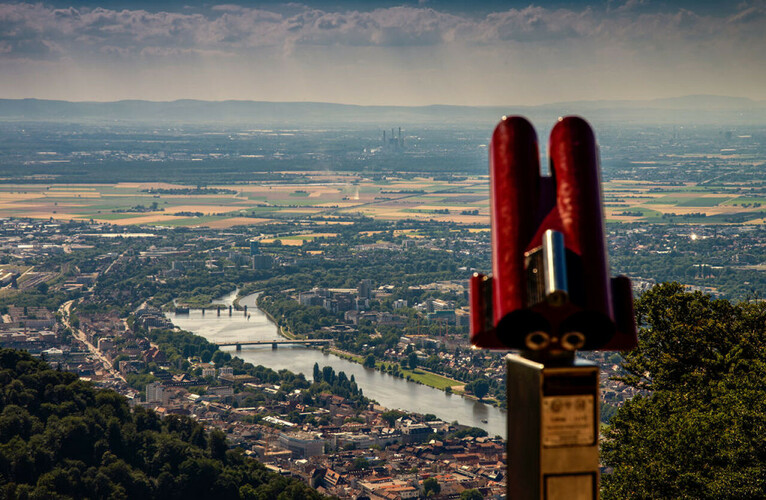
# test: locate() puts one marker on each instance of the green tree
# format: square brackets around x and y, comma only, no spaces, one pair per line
[479,387]
[369,361]
[391,416]
[697,429]
[431,487]
[413,360]
[472,494]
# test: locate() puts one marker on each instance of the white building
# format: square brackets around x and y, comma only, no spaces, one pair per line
[302,444]
[155,393]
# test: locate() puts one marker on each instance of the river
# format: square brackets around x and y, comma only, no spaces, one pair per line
[389,391]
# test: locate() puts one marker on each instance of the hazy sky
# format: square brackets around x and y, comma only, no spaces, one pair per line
[382,52]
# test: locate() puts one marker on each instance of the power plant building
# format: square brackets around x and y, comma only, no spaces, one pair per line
[394,143]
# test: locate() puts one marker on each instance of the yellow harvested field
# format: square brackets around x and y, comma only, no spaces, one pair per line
[236,221]
[622,218]
[290,243]
[246,188]
[395,186]
[8,197]
[72,194]
[300,239]
[384,213]
[483,192]
[303,210]
[151,185]
[720,209]
[49,215]
[227,197]
[463,219]
[319,235]
[442,207]
[32,207]
[144,219]
[205,209]
[333,196]
[332,222]
[132,195]
[331,204]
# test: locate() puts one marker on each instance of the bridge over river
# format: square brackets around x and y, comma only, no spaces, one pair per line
[274,343]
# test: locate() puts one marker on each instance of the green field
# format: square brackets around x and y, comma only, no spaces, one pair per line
[703,202]
[119,216]
[746,200]
[431,379]
[687,201]
[666,200]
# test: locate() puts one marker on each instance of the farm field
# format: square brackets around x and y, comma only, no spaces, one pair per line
[331,199]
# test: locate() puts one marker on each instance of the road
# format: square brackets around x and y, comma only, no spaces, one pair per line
[65,310]
[119,257]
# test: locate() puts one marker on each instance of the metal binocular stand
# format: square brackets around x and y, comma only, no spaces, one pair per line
[549,296]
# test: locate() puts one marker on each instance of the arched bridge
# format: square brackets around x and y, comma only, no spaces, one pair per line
[274,343]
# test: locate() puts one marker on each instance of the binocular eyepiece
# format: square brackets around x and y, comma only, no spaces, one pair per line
[550,289]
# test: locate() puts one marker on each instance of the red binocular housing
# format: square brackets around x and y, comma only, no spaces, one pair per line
[550,288]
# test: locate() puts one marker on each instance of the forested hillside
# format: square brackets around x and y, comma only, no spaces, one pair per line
[62,438]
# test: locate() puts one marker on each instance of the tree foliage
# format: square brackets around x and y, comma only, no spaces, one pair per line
[431,487]
[479,387]
[369,361]
[698,429]
[61,438]
[471,494]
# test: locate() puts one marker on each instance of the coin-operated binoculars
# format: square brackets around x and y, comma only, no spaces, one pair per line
[549,295]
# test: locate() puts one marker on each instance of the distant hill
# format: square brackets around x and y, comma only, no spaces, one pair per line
[695,109]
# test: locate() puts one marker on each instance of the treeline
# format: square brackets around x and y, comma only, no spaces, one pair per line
[38,297]
[62,438]
[178,346]
[414,267]
[298,318]
[729,280]
[326,380]
[189,191]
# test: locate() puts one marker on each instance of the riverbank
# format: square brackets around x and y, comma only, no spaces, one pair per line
[389,390]
[417,375]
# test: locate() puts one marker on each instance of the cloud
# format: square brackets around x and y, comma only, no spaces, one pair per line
[37,31]
[532,54]
[537,24]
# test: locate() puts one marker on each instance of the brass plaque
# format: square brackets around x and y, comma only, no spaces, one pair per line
[568,420]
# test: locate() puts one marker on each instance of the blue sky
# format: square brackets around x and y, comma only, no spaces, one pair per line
[382,52]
